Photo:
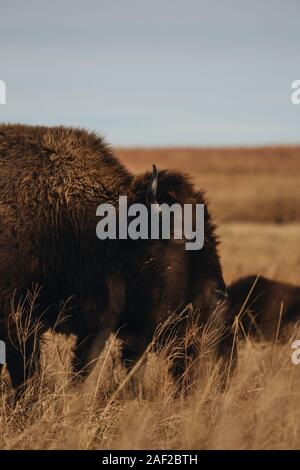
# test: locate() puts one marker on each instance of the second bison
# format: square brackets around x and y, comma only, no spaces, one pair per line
[265,306]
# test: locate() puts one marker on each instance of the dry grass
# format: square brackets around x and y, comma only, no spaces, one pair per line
[260,408]
[259,411]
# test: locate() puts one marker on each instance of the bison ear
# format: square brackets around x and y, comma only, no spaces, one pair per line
[151,193]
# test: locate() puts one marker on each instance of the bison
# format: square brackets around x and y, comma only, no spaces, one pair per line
[265,306]
[52,180]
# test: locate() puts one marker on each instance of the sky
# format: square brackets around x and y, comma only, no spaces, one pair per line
[154,72]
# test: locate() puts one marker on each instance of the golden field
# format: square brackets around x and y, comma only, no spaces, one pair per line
[245,185]
[254,195]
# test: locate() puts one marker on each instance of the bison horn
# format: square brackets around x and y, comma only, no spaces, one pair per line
[152,187]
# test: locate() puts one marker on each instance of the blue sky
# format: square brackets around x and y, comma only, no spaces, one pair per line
[155,72]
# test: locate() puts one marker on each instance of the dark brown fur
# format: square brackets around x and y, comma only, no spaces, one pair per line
[51,182]
[261,315]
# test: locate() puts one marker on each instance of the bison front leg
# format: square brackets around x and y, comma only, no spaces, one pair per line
[182,355]
[22,363]
[132,349]
[134,357]
[91,341]
[86,353]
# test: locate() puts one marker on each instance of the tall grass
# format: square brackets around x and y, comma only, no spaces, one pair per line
[258,410]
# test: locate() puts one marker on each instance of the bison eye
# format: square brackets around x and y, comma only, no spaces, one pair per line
[221,294]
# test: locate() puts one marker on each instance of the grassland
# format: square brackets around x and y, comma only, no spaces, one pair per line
[254,195]
[243,185]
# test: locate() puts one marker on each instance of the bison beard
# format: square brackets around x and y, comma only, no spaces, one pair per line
[51,182]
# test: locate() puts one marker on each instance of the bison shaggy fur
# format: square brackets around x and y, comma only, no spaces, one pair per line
[51,182]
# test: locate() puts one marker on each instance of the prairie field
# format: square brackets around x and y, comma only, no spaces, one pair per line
[254,196]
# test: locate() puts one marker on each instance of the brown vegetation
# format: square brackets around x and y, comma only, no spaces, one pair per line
[255,196]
